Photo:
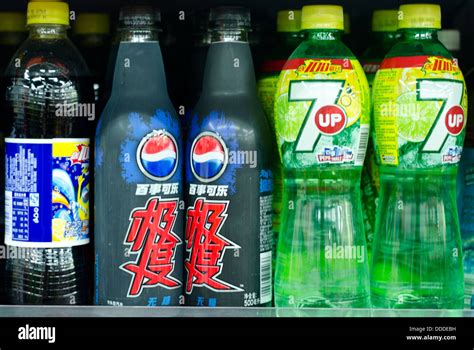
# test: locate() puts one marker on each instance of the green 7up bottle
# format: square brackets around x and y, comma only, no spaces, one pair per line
[322,124]
[420,105]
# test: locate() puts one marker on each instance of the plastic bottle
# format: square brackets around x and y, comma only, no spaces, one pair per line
[322,123]
[420,109]
[49,114]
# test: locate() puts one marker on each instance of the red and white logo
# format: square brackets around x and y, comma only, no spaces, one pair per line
[151,238]
[206,246]
[330,119]
[455,120]
[81,155]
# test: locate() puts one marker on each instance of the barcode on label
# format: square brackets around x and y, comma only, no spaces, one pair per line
[363,141]
[8,213]
[265,277]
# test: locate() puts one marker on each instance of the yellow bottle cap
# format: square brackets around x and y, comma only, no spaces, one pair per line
[419,16]
[289,21]
[385,21]
[12,22]
[347,23]
[322,17]
[48,12]
[92,23]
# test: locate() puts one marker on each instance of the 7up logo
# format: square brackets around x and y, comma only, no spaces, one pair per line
[450,119]
[324,117]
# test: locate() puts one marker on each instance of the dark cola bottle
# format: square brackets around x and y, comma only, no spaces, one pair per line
[48,114]
[229,179]
[139,205]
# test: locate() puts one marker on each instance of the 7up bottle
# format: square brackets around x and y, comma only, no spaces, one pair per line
[322,125]
[420,105]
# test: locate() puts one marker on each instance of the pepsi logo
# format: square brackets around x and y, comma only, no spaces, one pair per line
[157,155]
[330,119]
[209,156]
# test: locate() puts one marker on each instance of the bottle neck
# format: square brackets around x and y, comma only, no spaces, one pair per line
[139,69]
[48,31]
[138,35]
[219,36]
[229,66]
[323,35]
[419,34]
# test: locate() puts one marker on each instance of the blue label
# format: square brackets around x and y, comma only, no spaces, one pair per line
[47,192]
[28,192]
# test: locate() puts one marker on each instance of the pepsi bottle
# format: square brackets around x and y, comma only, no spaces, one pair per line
[229,182]
[139,202]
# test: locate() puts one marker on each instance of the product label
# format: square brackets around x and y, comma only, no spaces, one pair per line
[420,110]
[322,113]
[229,218]
[47,192]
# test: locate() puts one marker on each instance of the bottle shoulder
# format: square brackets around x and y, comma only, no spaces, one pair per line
[323,49]
[418,48]
[62,53]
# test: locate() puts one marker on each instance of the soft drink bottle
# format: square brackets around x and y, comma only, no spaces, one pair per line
[229,177]
[288,38]
[49,114]
[420,106]
[322,124]
[384,36]
[139,201]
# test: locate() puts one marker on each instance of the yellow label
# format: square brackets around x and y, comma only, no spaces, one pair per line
[420,110]
[322,112]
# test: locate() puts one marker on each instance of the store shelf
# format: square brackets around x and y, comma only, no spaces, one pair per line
[104,311]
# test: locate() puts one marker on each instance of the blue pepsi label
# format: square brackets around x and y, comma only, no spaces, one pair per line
[47,192]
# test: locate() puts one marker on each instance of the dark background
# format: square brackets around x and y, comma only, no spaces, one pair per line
[178,35]
[457,14]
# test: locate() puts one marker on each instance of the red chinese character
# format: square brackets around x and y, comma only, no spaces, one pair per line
[152,238]
[206,246]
